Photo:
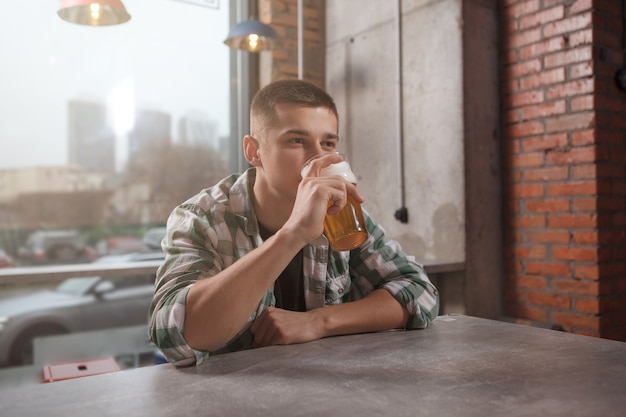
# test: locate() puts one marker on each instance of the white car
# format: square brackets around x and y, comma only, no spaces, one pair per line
[75,305]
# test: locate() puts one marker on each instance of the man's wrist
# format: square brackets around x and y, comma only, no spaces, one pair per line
[322,321]
[290,238]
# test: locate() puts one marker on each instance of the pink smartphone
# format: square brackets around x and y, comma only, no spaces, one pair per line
[78,369]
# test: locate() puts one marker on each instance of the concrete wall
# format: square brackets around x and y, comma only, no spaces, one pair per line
[361,73]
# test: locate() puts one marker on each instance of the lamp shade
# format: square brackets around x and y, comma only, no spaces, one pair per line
[252,35]
[93,12]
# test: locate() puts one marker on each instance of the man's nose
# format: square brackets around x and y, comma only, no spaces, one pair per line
[318,149]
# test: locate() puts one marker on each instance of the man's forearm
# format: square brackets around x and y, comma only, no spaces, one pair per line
[218,307]
[379,310]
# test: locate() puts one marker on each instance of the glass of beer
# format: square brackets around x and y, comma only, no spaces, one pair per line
[345,230]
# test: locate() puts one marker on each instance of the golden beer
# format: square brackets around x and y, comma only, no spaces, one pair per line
[345,230]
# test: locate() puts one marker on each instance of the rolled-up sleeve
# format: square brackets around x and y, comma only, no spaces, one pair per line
[188,259]
[382,263]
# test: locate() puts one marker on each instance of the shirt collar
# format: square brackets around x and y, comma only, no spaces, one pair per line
[241,202]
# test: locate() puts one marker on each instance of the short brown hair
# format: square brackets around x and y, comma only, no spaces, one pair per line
[299,92]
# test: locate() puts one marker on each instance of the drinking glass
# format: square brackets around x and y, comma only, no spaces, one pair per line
[346,229]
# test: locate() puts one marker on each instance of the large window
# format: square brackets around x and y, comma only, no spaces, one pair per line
[105,129]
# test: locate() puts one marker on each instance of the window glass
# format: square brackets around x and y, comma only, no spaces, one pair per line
[103,131]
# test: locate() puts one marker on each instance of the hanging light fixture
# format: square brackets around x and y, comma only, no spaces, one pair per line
[93,12]
[252,36]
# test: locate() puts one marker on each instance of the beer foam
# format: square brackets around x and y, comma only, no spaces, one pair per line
[342,169]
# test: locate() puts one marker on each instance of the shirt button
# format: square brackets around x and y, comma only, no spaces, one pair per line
[340,290]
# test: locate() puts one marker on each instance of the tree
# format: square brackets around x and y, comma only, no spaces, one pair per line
[175,173]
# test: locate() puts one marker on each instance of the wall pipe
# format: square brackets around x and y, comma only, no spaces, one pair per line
[402,214]
[300,42]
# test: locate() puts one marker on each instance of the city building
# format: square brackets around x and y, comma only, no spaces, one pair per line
[91,139]
[150,128]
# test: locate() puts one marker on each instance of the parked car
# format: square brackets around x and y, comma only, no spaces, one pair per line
[54,246]
[75,305]
[153,237]
[6,260]
[119,245]
[132,257]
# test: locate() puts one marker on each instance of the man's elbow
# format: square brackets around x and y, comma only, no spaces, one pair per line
[205,337]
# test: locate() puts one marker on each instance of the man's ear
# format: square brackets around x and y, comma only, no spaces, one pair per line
[251,150]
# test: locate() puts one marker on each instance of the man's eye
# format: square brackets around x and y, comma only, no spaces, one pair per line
[329,145]
[296,140]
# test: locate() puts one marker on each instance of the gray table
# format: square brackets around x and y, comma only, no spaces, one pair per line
[460,366]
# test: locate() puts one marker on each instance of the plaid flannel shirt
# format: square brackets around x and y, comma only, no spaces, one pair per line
[212,230]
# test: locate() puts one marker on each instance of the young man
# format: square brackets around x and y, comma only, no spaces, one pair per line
[247,263]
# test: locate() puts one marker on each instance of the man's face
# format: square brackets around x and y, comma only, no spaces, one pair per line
[298,134]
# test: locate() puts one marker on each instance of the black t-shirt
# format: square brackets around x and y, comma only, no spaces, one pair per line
[288,287]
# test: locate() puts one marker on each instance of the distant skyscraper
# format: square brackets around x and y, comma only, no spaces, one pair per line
[151,126]
[91,138]
[195,128]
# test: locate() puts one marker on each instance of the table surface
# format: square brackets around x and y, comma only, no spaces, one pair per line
[459,366]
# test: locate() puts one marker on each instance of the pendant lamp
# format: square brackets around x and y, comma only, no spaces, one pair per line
[252,36]
[93,12]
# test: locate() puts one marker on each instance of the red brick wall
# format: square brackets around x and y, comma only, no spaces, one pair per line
[564,158]
[282,16]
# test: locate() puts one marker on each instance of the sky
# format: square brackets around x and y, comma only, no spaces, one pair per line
[169,57]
